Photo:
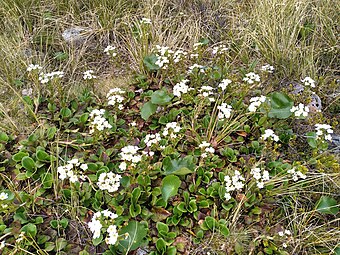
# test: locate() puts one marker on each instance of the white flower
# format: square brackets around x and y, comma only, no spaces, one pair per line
[115,97]
[145,21]
[284,245]
[181,88]
[151,139]
[84,167]
[46,77]
[98,122]
[251,78]
[32,67]
[197,45]
[234,183]
[2,245]
[255,102]
[296,175]
[224,84]
[300,111]
[129,153]
[324,129]
[179,55]
[95,227]
[110,50]
[267,68]
[171,126]
[260,177]
[225,111]
[270,133]
[200,68]
[3,196]
[281,233]
[109,181]
[308,82]
[88,75]
[122,166]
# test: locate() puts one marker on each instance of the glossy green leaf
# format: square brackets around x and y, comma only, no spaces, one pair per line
[29,229]
[170,185]
[280,105]
[160,97]
[136,234]
[180,166]
[28,163]
[149,62]
[147,110]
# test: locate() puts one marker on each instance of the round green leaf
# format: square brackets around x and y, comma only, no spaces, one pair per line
[327,205]
[170,185]
[29,229]
[160,97]
[147,110]
[28,163]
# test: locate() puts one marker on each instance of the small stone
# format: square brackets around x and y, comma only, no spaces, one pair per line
[315,105]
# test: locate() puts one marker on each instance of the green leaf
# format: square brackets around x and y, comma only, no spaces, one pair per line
[18,156]
[60,244]
[65,113]
[42,155]
[327,205]
[49,246]
[180,166]
[170,185]
[3,137]
[311,139]
[28,163]
[47,180]
[161,245]
[136,233]
[162,227]
[149,62]
[29,229]
[147,110]
[160,97]
[97,241]
[280,105]
[51,132]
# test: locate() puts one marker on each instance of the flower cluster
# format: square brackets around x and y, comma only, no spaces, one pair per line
[207,91]
[105,218]
[234,183]
[251,78]
[255,102]
[89,75]
[207,149]
[324,130]
[307,81]
[286,233]
[260,178]
[296,174]
[130,153]
[267,68]
[269,133]
[171,126]
[179,55]
[98,122]
[225,111]
[109,181]
[224,84]
[219,49]
[110,50]
[115,97]
[46,77]
[67,171]
[3,196]
[200,68]
[162,56]
[32,67]
[300,111]
[151,139]
[181,88]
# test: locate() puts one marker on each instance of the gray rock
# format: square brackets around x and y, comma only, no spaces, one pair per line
[142,251]
[75,35]
[316,103]
[335,144]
